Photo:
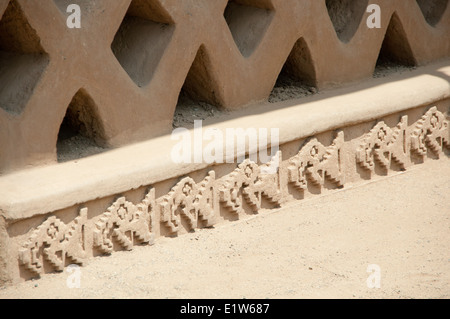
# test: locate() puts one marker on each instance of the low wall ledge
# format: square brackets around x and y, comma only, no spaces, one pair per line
[41,190]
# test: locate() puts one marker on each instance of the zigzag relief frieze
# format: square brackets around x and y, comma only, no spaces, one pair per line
[384,145]
[134,57]
[250,180]
[125,224]
[431,133]
[315,162]
[53,241]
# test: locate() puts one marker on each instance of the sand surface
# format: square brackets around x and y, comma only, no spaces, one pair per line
[318,248]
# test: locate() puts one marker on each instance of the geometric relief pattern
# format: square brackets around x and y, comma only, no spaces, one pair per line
[431,133]
[384,145]
[190,201]
[54,241]
[125,224]
[250,181]
[315,163]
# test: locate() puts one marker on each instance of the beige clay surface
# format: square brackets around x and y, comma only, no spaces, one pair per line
[96,177]
[318,248]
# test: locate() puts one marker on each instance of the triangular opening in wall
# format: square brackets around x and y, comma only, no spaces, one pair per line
[433,10]
[396,55]
[81,133]
[248,21]
[22,59]
[298,76]
[142,39]
[346,16]
[199,97]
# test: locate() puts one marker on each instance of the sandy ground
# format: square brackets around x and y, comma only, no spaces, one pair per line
[319,248]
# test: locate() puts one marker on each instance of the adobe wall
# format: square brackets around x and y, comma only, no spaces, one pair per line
[37,243]
[130,59]
[117,82]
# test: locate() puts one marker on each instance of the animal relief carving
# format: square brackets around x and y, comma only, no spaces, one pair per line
[315,162]
[382,145]
[249,181]
[54,241]
[125,223]
[190,201]
[432,133]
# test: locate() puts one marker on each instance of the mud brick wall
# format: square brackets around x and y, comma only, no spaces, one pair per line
[119,76]
[316,165]
[118,80]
